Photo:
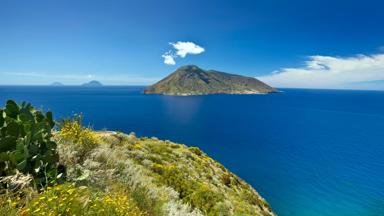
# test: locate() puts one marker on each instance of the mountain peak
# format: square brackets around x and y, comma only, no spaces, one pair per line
[189,67]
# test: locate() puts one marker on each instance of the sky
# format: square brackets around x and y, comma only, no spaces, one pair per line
[297,43]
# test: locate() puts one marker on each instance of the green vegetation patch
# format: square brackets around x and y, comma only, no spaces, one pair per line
[26,143]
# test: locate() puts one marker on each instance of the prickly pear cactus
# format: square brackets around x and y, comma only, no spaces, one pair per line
[26,142]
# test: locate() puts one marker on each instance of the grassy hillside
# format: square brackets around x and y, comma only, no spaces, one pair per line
[112,173]
[192,80]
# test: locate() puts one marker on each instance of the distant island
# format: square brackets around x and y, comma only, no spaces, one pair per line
[93,83]
[192,80]
[57,84]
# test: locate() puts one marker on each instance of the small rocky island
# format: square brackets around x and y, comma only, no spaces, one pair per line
[93,83]
[192,80]
[57,84]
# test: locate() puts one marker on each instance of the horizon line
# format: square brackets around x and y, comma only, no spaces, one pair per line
[112,85]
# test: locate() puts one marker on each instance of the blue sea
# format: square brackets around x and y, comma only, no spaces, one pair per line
[307,152]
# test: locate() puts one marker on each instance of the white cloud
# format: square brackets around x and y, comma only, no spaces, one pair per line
[169,58]
[184,48]
[329,72]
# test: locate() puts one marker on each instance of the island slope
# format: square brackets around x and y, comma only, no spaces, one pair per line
[192,80]
[180,180]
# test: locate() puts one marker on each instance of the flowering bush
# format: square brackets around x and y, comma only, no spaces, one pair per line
[83,138]
[67,199]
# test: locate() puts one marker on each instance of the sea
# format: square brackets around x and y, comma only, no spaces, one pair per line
[307,152]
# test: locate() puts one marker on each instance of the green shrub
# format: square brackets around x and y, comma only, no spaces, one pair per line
[198,194]
[177,179]
[142,197]
[158,168]
[26,143]
[226,179]
[196,150]
[204,198]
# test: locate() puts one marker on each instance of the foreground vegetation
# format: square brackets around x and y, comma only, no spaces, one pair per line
[77,171]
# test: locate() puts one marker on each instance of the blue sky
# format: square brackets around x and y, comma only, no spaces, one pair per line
[122,42]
